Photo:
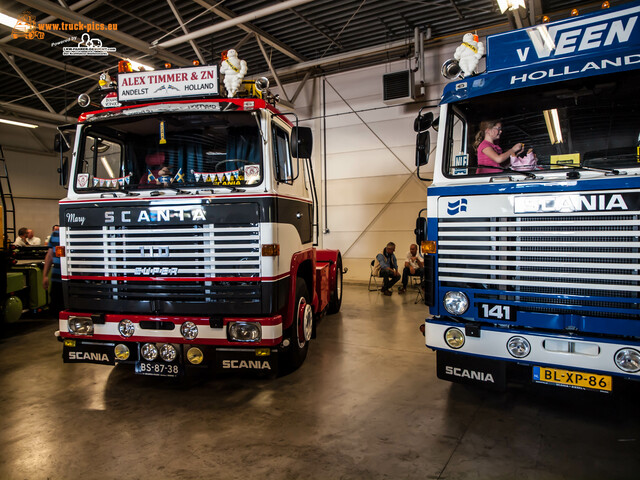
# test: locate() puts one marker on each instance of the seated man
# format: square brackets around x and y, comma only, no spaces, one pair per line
[413,266]
[386,266]
[21,239]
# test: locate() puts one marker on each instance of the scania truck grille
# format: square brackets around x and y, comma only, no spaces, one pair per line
[594,256]
[172,265]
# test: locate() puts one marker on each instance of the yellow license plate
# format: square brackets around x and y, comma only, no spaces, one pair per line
[568,378]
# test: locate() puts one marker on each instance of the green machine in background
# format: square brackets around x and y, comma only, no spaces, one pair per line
[21,268]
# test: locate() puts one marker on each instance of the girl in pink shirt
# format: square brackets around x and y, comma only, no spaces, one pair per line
[490,154]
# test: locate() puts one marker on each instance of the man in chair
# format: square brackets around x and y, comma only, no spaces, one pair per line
[413,266]
[386,266]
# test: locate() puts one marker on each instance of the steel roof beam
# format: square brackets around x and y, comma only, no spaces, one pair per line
[75,6]
[120,37]
[184,29]
[10,49]
[239,20]
[273,71]
[319,30]
[34,113]
[252,29]
[26,80]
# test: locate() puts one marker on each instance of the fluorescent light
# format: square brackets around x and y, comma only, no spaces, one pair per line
[7,20]
[552,120]
[19,124]
[107,167]
[137,65]
[510,5]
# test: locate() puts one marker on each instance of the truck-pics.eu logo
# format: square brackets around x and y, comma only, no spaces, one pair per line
[456,207]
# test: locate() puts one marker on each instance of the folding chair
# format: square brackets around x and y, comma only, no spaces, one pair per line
[373,277]
[416,281]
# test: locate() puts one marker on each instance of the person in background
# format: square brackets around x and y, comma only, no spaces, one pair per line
[33,240]
[413,266]
[22,241]
[46,240]
[489,153]
[386,266]
[52,263]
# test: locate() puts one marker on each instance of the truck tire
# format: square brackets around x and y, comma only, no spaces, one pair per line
[336,294]
[302,327]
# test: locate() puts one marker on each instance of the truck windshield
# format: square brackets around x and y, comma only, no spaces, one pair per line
[591,122]
[170,150]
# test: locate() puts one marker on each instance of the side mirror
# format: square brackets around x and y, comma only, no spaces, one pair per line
[421,230]
[61,143]
[301,143]
[423,122]
[63,170]
[423,147]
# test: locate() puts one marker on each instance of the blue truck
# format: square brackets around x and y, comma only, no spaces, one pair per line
[532,274]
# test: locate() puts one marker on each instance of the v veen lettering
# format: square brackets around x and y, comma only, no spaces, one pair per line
[579,36]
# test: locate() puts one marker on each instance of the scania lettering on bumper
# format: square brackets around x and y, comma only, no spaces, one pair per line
[89,353]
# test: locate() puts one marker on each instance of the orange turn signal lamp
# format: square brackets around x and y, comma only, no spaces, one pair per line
[428,246]
[60,252]
[124,66]
[271,250]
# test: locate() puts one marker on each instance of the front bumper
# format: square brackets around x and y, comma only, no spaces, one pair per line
[552,350]
[218,351]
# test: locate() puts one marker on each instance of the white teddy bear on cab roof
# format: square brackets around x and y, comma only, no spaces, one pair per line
[469,53]
[233,70]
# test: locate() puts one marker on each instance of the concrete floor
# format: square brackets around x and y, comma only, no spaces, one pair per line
[365,405]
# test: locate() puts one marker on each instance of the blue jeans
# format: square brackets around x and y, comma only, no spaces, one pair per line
[389,278]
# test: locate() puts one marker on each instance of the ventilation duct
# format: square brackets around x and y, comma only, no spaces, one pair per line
[398,87]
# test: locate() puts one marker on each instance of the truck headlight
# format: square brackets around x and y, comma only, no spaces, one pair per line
[454,337]
[628,360]
[81,325]
[126,328]
[245,332]
[149,352]
[518,347]
[168,352]
[189,330]
[456,303]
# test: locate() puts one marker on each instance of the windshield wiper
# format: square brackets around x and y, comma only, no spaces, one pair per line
[232,188]
[612,171]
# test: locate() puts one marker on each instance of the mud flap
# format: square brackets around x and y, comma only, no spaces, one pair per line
[483,372]
[89,353]
[229,360]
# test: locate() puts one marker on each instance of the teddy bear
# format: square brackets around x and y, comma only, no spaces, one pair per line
[233,70]
[469,53]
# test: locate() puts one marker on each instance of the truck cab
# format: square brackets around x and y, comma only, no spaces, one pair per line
[189,230]
[532,267]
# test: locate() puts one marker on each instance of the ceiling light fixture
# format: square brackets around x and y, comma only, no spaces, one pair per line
[8,21]
[510,5]
[18,124]
[552,120]
[138,67]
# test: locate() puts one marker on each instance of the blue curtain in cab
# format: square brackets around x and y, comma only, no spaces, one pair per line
[243,143]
